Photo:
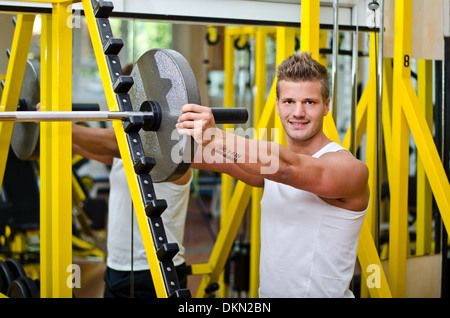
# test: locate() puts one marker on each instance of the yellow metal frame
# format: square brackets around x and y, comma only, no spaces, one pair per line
[227,181]
[11,93]
[409,117]
[256,195]
[56,140]
[56,188]
[236,203]
[15,72]
[61,151]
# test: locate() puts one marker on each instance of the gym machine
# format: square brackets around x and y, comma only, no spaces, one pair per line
[146,106]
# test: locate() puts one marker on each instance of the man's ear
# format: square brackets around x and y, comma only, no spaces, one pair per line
[327,107]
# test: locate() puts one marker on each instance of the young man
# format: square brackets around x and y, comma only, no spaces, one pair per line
[315,192]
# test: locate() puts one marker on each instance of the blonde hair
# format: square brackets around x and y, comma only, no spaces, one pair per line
[303,68]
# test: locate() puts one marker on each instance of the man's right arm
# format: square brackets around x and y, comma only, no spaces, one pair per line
[107,160]
[99,141]
[206,159]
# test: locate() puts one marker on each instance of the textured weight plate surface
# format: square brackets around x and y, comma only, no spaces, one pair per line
[166,77]
[25,136]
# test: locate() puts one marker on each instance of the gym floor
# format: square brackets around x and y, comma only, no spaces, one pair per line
[198,240]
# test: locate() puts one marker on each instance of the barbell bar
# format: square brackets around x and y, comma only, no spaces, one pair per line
[163,82]
[34,116]
[221,116]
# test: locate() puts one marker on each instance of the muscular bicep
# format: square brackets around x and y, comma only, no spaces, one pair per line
[336,175]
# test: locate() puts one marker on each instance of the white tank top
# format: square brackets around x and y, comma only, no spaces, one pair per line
[308,246]
[120,229]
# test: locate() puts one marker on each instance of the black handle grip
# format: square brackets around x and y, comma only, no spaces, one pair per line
[230,115]
[85,107]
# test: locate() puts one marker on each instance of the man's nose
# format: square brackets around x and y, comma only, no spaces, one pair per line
[299,110]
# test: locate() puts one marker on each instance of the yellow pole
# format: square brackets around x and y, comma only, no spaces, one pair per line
[310,26]
[227,181]
[400,151]
[61,152]
[45,160]
[260,72]
[228,102]
[255,239]
[323,37]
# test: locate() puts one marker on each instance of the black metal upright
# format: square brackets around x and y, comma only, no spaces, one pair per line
[445,287]
[142,164]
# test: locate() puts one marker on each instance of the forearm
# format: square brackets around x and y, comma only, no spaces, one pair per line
[206,159]
[243,157]
[256,157]
[107,160]
[98,141]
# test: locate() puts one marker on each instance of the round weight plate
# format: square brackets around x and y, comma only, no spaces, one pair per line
[32,287]
[18,289]
[25,136]
[15,267]
[37,283]
[164,76]
[3,286]
[6,276]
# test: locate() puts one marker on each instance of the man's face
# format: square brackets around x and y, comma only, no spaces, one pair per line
[301,109]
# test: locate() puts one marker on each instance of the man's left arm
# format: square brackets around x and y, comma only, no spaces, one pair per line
[335,175]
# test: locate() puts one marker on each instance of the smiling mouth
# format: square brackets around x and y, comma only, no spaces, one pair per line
[298,124]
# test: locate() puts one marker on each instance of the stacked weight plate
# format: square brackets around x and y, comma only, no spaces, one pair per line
[14,282]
